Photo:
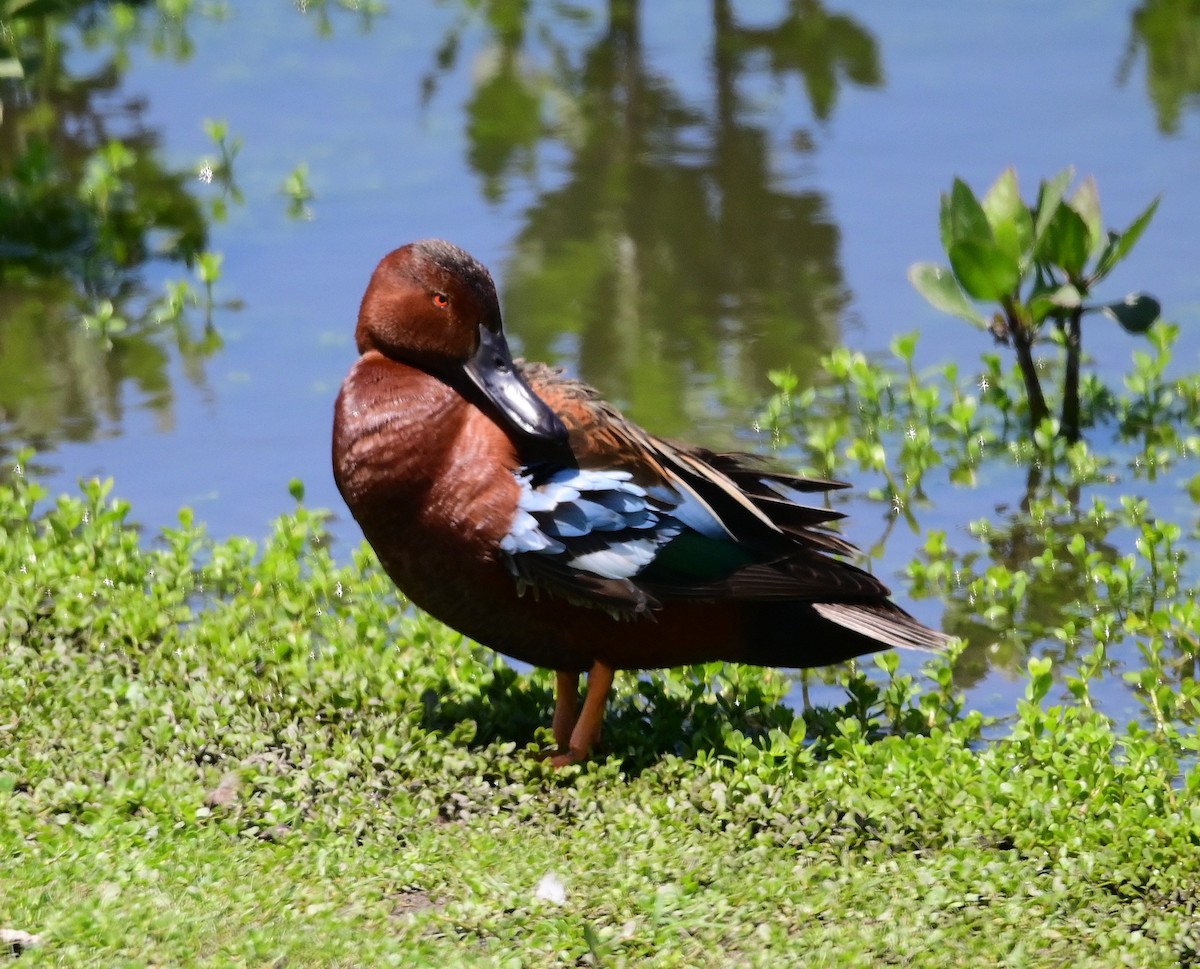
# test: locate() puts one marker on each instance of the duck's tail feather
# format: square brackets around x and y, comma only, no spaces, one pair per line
[884,623]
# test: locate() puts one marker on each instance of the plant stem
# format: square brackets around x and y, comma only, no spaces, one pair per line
[1070,405]
[1022,337]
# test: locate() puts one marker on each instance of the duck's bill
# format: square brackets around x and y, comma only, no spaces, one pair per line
[491,369]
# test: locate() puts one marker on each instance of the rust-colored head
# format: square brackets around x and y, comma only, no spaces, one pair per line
[425,304]
[432,305]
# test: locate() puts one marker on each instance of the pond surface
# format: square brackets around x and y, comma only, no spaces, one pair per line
[674,197]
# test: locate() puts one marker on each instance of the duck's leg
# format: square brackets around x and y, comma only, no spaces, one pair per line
[586,734]
[566,707]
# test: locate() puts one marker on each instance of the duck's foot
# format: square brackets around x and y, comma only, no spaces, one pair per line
[577,732]
[562,755]
[565,757]
[559,756]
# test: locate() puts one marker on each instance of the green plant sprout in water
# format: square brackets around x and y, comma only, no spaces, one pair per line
[1040,263]
[299,193]
[221,171]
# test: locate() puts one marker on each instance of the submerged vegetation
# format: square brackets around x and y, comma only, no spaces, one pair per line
[1091,559]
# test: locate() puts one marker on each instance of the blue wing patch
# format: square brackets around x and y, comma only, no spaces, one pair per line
[598,522]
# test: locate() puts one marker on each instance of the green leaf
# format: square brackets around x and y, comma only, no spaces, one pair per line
[208,266]
[11,67]
[1040,678]
[216,128]
[1136,312]
[984,271]
[1050,194]
[938,285]
[962,217]
[1044,302]
[1121,243]
[1086,203]
[1066,242]
[904,346]
[1009,217]
[1066,296]
[1193,490]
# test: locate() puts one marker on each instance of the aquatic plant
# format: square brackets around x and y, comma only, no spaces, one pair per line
[1039,263]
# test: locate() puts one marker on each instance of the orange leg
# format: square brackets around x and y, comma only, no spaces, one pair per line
[586,734]
[566,707]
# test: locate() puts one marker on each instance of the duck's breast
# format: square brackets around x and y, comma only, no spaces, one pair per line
[427,475]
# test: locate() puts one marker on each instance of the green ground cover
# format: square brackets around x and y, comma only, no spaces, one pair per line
[231,753]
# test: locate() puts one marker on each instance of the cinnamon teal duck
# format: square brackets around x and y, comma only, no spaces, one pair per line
[515,505]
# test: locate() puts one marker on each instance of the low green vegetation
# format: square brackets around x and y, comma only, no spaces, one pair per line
[225,753]
[1092,555]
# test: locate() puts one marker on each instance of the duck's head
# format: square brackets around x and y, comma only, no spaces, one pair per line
[432,305]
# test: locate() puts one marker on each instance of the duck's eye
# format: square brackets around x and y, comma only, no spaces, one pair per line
[441,300]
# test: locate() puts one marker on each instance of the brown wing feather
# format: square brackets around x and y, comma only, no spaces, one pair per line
[733,485]
[602,438]
[884,622]
[795,546]
[621,597]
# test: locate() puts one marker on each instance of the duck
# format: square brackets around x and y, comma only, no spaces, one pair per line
[511,502]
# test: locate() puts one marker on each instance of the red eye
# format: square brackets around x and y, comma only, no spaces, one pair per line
[441,300]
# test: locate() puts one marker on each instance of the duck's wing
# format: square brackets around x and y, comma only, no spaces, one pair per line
[637,520]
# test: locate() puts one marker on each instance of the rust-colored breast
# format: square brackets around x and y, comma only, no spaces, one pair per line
[428,477]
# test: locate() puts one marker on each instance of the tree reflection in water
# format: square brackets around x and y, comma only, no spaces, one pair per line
[1168,32]
[86,204]
[674,252]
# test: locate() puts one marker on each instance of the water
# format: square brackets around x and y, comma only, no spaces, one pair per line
[674,199]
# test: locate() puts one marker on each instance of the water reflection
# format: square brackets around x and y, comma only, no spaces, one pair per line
[1168,32]
[674,253]
[321,12]
[86,203]
[59,382]
[818,46]
[1053,599]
